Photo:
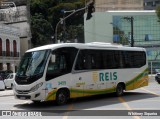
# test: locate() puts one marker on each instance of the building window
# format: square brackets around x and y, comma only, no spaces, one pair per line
[0,47]
[1,66]
[8,66]
[14,48]
[7,47]
[148,37]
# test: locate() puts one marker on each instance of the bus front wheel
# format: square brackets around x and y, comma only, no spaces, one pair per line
[61,97]
[119,90]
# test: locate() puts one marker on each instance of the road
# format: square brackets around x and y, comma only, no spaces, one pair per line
[146,99]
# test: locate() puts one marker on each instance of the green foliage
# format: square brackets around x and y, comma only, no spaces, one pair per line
[45,14]
[158,13]
[41,30]
[123,39]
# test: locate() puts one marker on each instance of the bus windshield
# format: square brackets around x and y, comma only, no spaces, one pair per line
[33,63]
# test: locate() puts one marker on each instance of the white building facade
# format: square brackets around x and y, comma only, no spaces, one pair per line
[20,18]
[9,48]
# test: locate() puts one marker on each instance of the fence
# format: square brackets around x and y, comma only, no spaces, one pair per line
[154,67]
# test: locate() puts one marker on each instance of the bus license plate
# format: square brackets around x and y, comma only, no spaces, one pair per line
[22,98]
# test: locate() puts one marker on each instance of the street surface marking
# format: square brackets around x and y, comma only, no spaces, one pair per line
[70,107]
[150,91]
[127,106]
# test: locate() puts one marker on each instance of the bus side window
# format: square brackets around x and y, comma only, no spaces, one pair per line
[88,60]
[80,61]
[64,58]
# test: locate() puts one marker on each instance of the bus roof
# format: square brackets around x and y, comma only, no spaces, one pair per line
[92,45]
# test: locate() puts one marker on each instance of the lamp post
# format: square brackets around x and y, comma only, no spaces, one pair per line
[64,23]
[62,20]
[131,21]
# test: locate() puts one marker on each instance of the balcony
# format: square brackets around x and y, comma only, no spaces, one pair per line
[10,54]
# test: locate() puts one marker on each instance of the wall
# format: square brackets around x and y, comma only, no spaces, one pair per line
[10,33]
[98,28]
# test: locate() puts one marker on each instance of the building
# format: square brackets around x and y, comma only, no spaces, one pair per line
[151,4]
[104,5]
[19,18]
[111,26]
[9,47]
[15,36]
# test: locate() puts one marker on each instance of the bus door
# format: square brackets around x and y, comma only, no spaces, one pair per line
[83,84]
[59,67]
[78,83]
[84,65]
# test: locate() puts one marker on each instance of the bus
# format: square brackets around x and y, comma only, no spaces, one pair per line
[59,72]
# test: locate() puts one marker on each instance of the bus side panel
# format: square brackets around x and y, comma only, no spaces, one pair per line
[83,84]
[93,83]
[140,80]
[53,85]
[96,82]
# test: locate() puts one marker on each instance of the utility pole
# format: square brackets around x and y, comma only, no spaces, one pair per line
[62,20]
[130,19]
[90,11]
[64,23]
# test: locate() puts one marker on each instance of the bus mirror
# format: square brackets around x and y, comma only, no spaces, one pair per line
[53,58]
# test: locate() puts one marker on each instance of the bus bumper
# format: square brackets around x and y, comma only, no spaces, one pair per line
[23,95]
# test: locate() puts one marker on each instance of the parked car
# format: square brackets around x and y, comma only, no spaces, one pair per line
[5,73]
[9,80]
[157,77]
[2,85]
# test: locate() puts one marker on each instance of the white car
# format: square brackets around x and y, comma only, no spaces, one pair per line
[2,86]
[9,80]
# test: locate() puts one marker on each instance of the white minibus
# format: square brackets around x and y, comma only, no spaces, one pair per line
[70,70]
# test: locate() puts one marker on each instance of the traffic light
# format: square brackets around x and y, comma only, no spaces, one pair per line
[91,9]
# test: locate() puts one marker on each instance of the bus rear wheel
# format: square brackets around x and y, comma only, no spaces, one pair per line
[119,90]
[61,97]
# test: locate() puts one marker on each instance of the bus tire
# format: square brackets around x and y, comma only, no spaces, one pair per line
[36,101]
[61,97]
[119,90]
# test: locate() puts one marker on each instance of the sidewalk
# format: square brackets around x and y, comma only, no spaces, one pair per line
[152,77]
[6,92]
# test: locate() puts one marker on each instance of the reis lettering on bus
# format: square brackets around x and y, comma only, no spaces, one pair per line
[108,76]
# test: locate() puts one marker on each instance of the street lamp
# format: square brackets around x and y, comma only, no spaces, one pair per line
[73,12]
[62,20]
[64,23]
[130,19]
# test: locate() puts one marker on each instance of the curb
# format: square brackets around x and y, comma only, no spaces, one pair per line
[6,93]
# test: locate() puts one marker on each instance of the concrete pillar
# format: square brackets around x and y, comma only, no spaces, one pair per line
[13,67]
[4,66]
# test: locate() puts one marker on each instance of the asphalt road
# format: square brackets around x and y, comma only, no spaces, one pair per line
[146,99]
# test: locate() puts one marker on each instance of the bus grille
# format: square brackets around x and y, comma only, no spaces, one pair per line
[22,91]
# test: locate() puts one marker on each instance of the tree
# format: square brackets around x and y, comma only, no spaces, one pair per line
[158,13]
[122,38]
[45,14]
[57,12]
[41,30]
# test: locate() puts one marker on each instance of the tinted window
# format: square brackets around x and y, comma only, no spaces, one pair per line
[64,59]
[89,59]
[109,59]
[133,59]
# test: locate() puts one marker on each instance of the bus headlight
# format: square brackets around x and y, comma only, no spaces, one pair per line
[36,87]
